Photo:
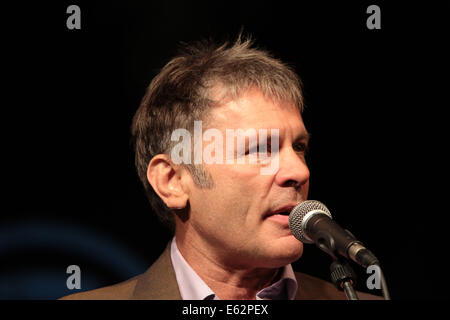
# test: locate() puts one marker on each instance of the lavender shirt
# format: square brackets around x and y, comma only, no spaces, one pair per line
[192,287]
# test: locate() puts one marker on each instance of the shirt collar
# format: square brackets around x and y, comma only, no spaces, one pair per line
[192,287]
[283,289]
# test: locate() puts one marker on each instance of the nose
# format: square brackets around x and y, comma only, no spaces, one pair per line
[293,170]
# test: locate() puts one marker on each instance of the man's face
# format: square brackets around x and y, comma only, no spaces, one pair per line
[235,218]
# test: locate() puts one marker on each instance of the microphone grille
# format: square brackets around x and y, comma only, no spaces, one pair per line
[297,215]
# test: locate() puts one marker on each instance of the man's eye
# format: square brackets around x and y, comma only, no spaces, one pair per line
[300,147]
[258,148]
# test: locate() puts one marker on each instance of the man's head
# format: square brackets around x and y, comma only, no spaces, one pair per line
[228,207]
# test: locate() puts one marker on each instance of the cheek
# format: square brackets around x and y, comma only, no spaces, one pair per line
[237,189]
[245,190]
[234,181]
[217,205]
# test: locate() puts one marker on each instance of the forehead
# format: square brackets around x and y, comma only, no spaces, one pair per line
[253,110]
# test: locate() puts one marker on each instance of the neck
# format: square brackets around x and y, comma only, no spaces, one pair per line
[228,282]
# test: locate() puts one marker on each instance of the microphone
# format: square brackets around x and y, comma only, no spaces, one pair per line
[311,222]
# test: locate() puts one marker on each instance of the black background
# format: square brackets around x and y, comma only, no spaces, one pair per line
[375,106]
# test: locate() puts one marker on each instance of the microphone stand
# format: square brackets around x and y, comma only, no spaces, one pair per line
[343,277]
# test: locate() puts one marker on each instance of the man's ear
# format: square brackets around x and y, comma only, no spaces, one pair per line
[166,179]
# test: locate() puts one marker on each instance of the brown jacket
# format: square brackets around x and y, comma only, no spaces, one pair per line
[159,283]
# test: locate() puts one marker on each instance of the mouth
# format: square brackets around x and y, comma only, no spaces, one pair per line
[283,211]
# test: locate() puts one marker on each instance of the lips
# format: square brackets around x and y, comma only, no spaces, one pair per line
[285,210]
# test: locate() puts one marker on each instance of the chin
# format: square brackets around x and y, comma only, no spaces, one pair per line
[284,251]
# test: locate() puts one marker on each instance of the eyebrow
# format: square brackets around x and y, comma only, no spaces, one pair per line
[303,136]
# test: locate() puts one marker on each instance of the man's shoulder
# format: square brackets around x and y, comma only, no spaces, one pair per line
[120,291]
[157,283]
[312,288]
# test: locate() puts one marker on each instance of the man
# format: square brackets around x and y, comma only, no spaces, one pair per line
[220,148]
